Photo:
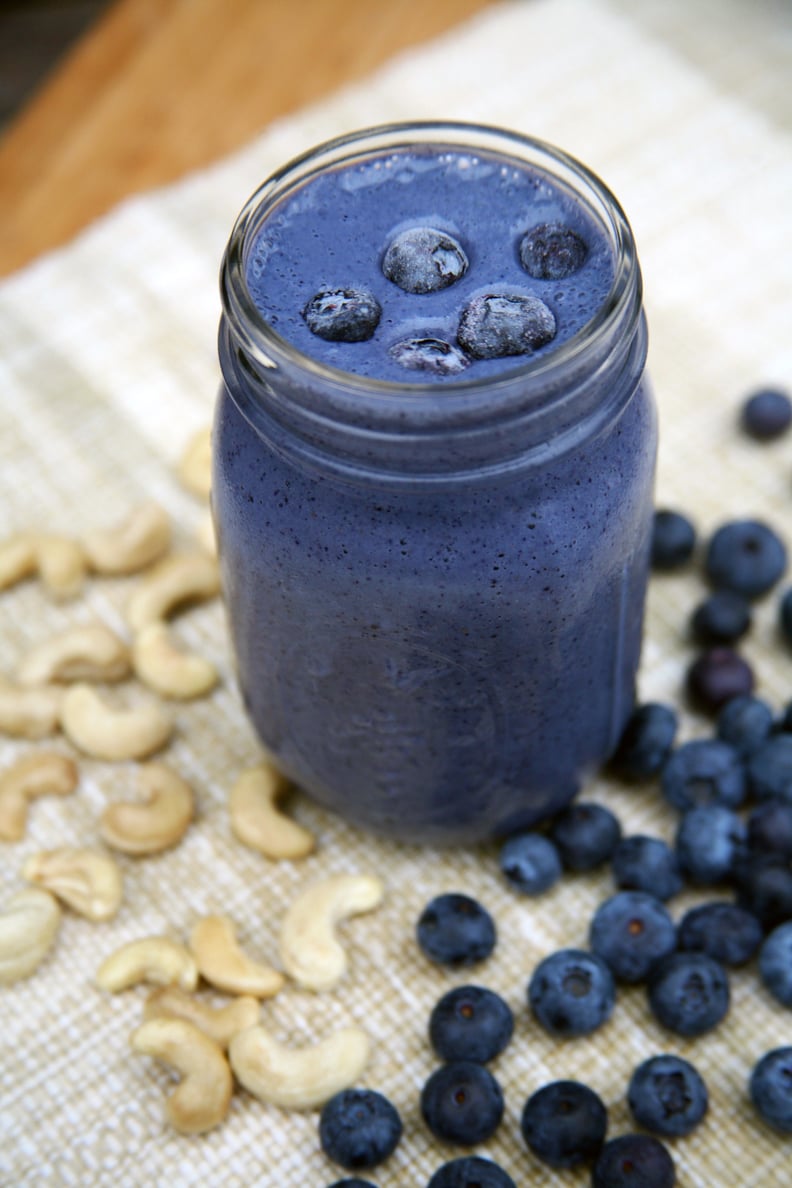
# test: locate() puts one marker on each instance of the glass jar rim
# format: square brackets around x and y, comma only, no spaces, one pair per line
[267,349]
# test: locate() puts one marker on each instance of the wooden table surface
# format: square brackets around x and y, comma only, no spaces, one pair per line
[159,87]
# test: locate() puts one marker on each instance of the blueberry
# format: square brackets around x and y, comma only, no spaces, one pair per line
[775,963]
[470,1023]
[716,677]
[530,862]
[429,354]
[722,618]
[667,1096]
[564,1124]
[770,769]
[634,1161]
[424,260]
[764,887]
[343,315]
[643,863]
[471,1171]
[766,413]
[770,1088]
[552,251]
[710,840]
[745,556]
[724,931]
[745,722]
[646,741]
[770,829]
[462,1103]
[704,771]
[496,325]
[631,932]
[359,1128]
[673,539]
[785,615]
[586,835]
[454,929]
[571,992]
[352,1182]
[689,993]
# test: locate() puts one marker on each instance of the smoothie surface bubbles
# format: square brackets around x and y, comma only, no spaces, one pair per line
[476,263]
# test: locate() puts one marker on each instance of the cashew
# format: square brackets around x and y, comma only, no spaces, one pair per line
[158,822]
[298,1078]
[90,653]
[89,882]
[140,540]
[154,959]
[59,562]
[206,535]
[219,1023]
[221,961]
[106,733]
[29,713]
[202,1098]
[309,950]
[184,577]
[44,773]
[167,669]
[256,821]
[18,560]
[27,931]
[195,465]
[61,565]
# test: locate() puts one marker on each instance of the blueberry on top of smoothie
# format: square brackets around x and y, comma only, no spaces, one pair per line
[434,355]
[495,325]
[424,260]
[342,315]
[551,251]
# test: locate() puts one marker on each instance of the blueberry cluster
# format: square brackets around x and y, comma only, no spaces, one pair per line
[492,325]
[733,794]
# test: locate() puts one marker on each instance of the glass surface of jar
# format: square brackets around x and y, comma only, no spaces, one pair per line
[435,586]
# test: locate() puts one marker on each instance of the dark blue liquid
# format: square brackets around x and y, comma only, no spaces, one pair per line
[334,230]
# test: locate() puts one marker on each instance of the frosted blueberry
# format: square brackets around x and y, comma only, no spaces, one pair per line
[766,413]
[632,931]
[454,929]
[571,992]
[689,993]
[724,931]
[471,1171]
[775,963]
[462,1103]
[631,1160]
[530,862]
[770,1087]
[551,251]
[745,556]
[496,325]
[359,1128]
[424,260]
[564,1123]
[342,315]
[429,354]
[667,1095]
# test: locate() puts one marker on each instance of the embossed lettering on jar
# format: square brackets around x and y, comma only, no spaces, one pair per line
[435,578]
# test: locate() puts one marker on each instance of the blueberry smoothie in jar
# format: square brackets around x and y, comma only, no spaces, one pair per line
[434,457]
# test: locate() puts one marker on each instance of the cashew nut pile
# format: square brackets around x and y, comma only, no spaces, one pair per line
[57,688]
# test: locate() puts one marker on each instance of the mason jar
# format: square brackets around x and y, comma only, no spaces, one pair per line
[435,591]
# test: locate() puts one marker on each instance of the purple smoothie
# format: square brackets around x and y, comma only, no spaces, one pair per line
[435,579]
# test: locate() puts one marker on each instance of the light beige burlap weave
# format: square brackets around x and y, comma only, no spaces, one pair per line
[107,365]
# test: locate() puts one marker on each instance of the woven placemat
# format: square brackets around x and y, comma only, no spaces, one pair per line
[108,365]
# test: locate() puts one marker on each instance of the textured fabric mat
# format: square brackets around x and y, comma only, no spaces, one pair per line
[108,365]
